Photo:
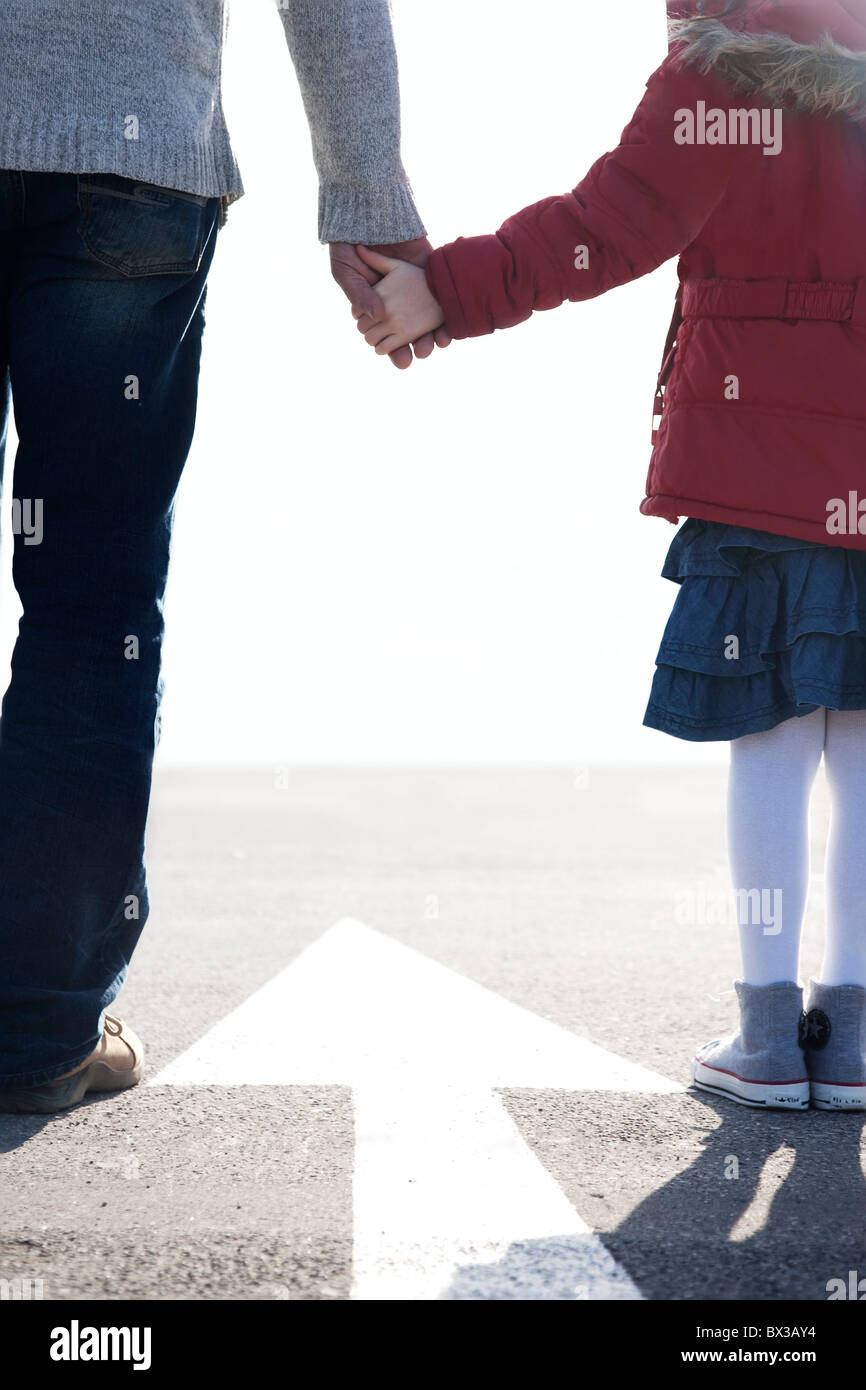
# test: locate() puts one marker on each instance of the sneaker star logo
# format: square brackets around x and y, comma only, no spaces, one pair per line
[814,1030]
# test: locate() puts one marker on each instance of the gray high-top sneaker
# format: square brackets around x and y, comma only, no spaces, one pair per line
[833,1034]
[762,1064]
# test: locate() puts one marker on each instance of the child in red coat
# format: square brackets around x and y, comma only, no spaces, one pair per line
[760,106]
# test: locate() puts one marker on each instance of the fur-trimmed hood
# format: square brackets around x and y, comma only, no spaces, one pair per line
[807,55]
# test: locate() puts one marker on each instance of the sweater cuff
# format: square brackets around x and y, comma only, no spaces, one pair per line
[441,284]
[372,216]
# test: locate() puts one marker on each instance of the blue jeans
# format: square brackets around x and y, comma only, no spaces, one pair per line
[102,292]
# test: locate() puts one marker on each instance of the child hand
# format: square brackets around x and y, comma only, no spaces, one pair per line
[410,309]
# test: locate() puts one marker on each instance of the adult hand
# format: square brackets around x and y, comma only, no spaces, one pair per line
[357,281]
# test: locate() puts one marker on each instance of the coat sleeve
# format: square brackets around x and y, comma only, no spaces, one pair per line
[639,205]
[344,56]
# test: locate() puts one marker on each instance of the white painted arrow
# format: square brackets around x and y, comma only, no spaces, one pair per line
[449,1201]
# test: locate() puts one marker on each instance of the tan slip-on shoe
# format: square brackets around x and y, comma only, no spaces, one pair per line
[115,1065]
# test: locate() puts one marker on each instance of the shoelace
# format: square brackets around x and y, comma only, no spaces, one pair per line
[116,1031]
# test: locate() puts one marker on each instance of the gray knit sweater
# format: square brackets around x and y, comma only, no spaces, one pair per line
[133,87]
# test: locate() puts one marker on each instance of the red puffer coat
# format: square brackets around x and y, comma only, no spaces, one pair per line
[762,394]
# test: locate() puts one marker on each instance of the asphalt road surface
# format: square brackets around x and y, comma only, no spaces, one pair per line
[410,1107]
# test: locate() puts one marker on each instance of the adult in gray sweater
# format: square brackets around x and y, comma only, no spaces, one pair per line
[116,176]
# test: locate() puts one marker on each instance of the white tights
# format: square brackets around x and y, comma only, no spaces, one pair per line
[770,782]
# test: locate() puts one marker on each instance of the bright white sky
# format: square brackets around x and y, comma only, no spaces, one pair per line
[448,564]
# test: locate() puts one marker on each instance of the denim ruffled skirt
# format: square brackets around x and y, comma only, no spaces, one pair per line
[764,628]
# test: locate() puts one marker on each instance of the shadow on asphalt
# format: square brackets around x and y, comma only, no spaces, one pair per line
[18,1129]
[695,1236]
[682,1241]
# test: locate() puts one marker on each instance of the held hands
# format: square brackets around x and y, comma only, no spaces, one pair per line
[361,282]
[410,313]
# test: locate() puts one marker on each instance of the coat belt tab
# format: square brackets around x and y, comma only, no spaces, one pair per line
[827,300]
[859,312]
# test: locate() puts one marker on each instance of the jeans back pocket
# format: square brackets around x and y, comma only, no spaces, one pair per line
[140,228]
